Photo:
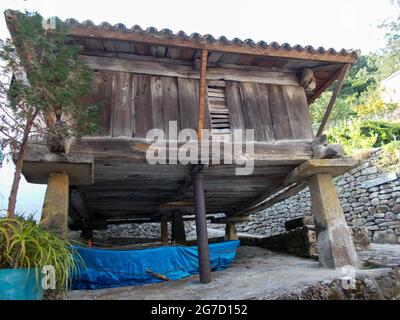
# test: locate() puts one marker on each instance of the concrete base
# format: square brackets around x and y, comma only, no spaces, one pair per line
[334,242]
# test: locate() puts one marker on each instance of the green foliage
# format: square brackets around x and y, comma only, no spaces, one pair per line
[56,79]
[361,134]
[350,136]
[23,244]
[390,156]
[340,112]
[385,132]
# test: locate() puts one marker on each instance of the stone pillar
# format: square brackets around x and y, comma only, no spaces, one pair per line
[334,242]
[164,230]
[55,208]
[178,229]
[230,232]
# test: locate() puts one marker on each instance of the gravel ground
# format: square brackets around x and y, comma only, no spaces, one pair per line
[256,273]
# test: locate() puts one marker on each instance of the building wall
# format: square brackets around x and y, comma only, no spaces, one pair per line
[390,88]
[132,104]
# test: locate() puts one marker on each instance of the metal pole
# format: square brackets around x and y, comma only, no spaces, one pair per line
[201,226]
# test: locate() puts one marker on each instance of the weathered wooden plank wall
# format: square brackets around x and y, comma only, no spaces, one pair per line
[132,104]
[275,112]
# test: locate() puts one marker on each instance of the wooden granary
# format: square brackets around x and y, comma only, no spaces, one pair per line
[144,79]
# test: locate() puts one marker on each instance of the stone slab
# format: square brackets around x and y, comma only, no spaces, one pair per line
[333,167]
[39,162]
[384,178]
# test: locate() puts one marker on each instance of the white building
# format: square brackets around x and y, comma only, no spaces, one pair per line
[390,88]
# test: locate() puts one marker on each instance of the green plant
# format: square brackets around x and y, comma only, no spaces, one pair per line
[350,136]
[389,157]
[361,134]
[23,244]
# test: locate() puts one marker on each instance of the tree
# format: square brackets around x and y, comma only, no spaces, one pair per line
[43,83]
[391,63]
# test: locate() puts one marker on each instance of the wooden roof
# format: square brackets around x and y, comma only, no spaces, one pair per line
[122,42]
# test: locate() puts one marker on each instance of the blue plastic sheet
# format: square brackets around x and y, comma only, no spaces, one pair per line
[116,268]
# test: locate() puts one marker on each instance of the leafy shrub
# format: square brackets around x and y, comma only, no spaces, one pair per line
[360,134]
[23,244]
[385,132]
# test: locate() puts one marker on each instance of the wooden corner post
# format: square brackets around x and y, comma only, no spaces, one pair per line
[201,225]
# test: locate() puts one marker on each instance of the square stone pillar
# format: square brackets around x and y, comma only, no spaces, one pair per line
[55,207]
[230,232]
[334,242]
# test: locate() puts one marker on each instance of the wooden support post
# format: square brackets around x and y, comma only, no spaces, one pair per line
[178,229]
[202,93]
[334,241]
[164,230]
[331,103]
[55,208]
[231,232]
[201,226]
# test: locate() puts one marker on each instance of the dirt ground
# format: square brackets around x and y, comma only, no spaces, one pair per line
[256,273]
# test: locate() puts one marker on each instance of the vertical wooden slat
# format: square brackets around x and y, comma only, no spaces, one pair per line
[170,101]
[143,114]
[101,94]
[299,114]
[256,112]
[188,100]
[234,105]
[157,103]
[202,93]
[123,104]
[279,112]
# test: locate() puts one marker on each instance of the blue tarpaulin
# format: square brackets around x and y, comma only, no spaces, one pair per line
[115,268]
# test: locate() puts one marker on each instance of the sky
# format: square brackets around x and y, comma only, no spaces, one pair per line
[349,24]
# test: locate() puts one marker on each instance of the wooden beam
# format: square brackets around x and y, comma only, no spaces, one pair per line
[229,219]
[134,151]
[142,37]
[294,180]
[335,93]
[260,75]
[325,86]
[291,191]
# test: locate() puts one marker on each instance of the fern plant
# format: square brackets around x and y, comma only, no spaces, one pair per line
[23,244]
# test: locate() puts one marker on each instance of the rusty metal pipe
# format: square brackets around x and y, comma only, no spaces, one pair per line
[201,226]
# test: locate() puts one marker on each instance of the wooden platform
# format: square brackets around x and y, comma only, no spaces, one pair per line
[128,189]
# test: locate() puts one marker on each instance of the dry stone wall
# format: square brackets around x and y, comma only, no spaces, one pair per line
[369,196]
